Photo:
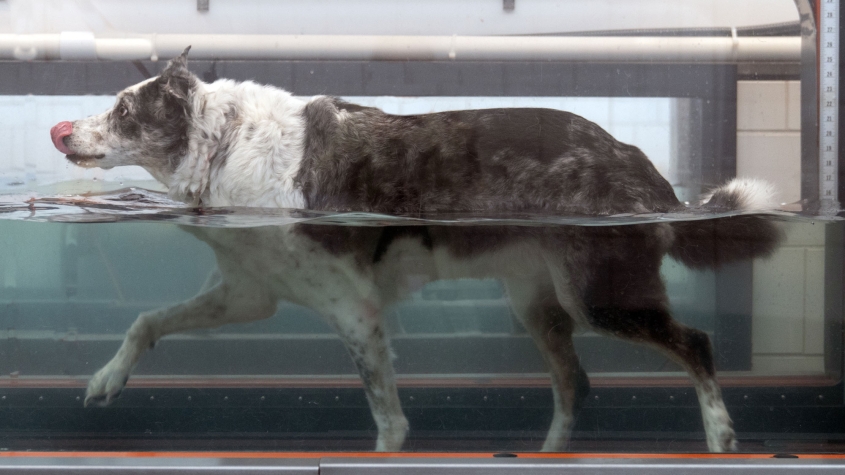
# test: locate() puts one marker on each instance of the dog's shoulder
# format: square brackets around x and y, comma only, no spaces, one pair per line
[349,107]
[321,110]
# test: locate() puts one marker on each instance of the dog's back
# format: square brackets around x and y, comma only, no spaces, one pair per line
[529,160]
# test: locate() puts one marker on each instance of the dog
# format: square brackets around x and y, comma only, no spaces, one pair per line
[233,143]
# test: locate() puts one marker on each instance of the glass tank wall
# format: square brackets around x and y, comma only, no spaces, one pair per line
[291,329]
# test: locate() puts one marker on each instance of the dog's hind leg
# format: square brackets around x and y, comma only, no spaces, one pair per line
[688,347]
[220,305]
[361,329]
[627,300]
[551,328]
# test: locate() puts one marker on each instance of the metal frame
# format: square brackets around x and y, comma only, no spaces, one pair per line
[478,464]
[152,465]
[809,108]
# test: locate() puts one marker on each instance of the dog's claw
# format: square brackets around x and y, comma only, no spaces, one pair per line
[96,401]
[106,385]
[101,400]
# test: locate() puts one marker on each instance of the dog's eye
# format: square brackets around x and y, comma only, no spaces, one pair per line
[123,111]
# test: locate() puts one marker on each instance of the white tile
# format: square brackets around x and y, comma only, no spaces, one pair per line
[793,105]
[761,105]
[772,156]
[787,365]
[805,234]
[778,303]
[814,302]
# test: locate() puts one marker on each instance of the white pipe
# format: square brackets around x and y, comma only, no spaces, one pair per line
[83,45]
[124,49]
[485,48]
[29,47]
[77,45]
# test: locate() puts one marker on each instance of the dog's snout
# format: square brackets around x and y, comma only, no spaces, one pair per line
[58,133]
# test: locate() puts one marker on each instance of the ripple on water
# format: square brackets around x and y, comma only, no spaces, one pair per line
[138,204]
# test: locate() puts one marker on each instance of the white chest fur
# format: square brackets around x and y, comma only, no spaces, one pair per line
[245,147]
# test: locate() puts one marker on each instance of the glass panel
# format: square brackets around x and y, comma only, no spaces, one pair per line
[460,222]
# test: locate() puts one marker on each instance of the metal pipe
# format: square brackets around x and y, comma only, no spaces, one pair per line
[83,45]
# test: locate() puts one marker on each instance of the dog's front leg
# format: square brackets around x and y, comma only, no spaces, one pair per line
[220,305]
[362,332]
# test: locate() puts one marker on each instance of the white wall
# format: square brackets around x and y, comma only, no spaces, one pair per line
[429,17]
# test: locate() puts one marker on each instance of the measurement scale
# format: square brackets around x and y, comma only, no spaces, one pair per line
[829,105]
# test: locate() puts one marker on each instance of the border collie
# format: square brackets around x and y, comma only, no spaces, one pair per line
[243,144]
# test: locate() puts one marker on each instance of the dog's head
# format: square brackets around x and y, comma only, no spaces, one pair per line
[148,125]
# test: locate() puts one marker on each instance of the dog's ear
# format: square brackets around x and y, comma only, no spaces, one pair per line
[176,80]
[179,63]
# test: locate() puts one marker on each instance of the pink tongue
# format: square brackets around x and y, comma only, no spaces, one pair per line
[60,131]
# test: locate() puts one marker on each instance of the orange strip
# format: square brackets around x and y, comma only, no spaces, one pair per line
[451,455]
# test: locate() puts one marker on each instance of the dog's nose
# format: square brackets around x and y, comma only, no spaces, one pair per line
[58,133]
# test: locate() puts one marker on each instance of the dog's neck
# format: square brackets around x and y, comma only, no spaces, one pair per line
[190,179]
[232,159]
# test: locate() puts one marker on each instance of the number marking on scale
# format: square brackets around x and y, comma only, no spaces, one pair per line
[829,105]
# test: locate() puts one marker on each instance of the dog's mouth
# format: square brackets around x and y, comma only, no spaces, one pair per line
[84,161]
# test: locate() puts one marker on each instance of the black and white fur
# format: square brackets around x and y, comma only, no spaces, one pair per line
[243,144]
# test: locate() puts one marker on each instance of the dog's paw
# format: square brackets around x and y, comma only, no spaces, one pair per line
[721,437]
[723,441]
[392,435]
[106,385]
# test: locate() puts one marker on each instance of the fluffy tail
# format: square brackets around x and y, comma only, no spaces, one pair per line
[713,242]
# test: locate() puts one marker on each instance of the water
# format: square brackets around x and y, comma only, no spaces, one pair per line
[75,272]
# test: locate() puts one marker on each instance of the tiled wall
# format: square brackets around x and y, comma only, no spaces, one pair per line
[787,334]
[769,134]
